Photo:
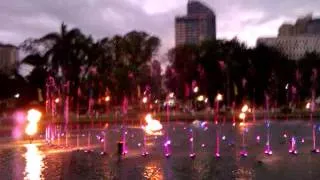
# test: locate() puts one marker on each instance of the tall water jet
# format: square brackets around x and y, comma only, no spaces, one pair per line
[311,107]
[124,130]
[242,116]
[51,102]
[268,149]
[167,140]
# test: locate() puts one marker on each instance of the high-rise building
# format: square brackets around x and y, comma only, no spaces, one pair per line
[295,40]
[294,47]
[304,26]
[8,58]
[199,24]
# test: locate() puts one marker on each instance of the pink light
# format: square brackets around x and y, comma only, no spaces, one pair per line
[20,117]
[192,155]
[218,155]
[258,138]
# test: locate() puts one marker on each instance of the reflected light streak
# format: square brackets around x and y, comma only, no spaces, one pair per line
[34,162]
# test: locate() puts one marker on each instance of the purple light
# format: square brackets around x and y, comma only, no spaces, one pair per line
[218,155]
[167,155]
[191,139]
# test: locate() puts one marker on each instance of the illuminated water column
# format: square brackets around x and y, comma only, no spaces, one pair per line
[268,149]
[167,142]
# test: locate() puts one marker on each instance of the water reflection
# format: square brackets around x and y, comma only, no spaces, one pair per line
[34,162]
[153,171]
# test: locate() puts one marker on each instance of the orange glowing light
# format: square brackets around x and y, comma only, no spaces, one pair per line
[34,116]
[241,124]
[31,129]
[153,126]
[107,99]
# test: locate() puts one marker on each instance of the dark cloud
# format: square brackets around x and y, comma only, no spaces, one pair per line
[246,19]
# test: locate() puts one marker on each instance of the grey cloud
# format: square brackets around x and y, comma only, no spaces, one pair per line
[22,19]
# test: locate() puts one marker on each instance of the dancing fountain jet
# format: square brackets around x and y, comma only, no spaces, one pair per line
[153,128]
[191,139]
[268,150]
[293,146]
[242,116]
[311,106]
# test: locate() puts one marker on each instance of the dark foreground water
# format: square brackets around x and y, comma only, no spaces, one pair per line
[21,160]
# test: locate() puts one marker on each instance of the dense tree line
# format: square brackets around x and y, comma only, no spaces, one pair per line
[124,65]
[241,73]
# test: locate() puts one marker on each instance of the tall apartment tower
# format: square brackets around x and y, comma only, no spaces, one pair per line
[198,25]
[304,26]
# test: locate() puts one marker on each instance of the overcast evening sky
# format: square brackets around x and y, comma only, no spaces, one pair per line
[246,19]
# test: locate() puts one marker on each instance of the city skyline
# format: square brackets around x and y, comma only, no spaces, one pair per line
[246,19]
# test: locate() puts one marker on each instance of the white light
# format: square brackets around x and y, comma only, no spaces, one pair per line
[206,100]
[219,97]
[171,95]
[244,108]
[17,95]
[144,100]
[57,100]
[107,99]
[153,126]
[287,86]
[242,116]
[33,116]
[308,105]
[196,89]
[200,98]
